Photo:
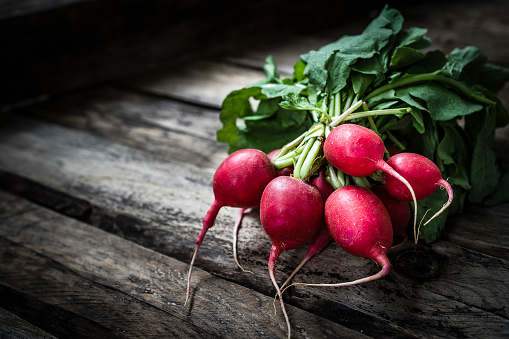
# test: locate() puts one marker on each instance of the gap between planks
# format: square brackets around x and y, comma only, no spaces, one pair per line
[100,260]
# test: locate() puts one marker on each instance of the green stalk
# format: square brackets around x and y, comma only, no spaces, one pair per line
[378,175]
[290,145]
[332,177]
[282,163]
[349,100]
[290,155]
[373,125]
[302,157]
[408,80]
[314,115]
[315,131]
[345,179]
[332,106]
[345,114]
[395,140]
[305,169]
[337,102]
[363,182]
[289,158]
[389,111]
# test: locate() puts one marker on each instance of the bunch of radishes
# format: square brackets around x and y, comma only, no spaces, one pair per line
[330,183]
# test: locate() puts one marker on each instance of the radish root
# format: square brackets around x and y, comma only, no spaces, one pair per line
[402,242]
[189,274]
[380,259]
[236,228]
[387,168]
[450,193]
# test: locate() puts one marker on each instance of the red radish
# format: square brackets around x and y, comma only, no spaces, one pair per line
[291,212]
[321,182]
[322,238]
[422,173]
[399,212]
[284,171]
[359,152]
[360,224]
[238,182]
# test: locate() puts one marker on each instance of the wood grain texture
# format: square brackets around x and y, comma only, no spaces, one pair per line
[103,191]
[12,326]
[450,25]
[116,115]
[137,200]
[76,267]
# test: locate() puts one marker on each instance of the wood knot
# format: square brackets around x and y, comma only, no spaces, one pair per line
[418,263]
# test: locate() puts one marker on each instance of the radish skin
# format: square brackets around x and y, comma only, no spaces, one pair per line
[422,173]
[239,181]
[359,152]
[322,238]
[360,224]
[238,222]
[399,211]
[291,212]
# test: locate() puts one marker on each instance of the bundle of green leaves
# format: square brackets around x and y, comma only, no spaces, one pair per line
[454,109]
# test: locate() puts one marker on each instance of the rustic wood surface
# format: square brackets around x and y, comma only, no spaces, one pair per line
[103,190]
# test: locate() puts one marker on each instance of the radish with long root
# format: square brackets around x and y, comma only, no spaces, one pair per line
[360,224]
[239,181]
[322,238]
[399,211]
[291,212]
[359,151]
[422,173]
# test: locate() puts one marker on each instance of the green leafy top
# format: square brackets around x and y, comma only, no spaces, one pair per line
[452,101]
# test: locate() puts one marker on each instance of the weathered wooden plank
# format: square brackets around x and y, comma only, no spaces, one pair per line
[163,128]
[172,131]
[215,254]
[126,287]
[12,326]
[64,303]
[50,318]
[201,82]
[438,285]
[126,199]
[451,25]
[479,228]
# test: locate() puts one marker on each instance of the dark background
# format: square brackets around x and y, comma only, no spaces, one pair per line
[55,46]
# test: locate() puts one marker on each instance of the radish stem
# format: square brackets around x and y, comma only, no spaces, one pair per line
[407,80]
[345,114]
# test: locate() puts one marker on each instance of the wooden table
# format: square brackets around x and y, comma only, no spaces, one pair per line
[102,193]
